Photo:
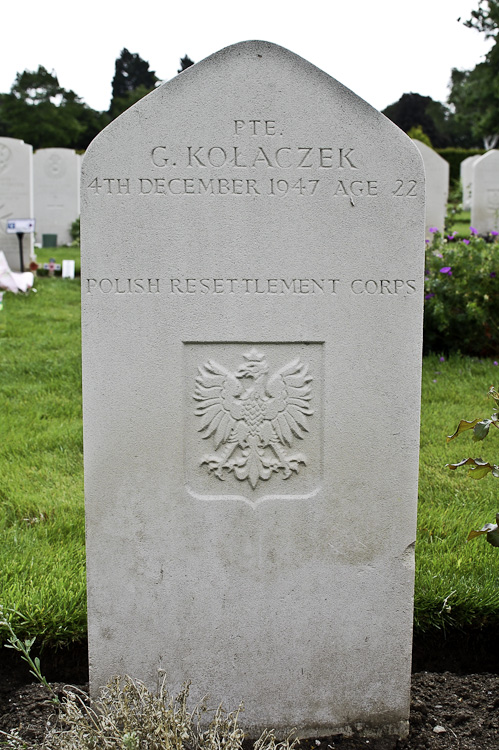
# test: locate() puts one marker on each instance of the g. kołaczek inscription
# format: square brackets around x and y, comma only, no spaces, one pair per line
[252,283]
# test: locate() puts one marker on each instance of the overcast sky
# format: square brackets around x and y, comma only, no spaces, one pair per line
[378,48]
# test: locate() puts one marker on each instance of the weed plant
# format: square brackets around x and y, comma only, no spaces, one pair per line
[128,716]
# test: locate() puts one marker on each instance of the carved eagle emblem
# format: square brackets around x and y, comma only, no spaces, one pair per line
[253,417]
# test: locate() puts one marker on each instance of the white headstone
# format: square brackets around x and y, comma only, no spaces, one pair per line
[68,269]
[252,278]
[485,198]
[437,187]
[57,192]
[16,198]
[466,175]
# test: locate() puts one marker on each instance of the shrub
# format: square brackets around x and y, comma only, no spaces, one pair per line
[461,294]
[455,156]
[75,231]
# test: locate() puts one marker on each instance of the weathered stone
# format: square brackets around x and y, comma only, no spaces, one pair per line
[485,198]
[252,284]
[16,197]
[57,192]
[466,175]
[437,187]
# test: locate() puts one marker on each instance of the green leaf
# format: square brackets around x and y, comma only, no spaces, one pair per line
[479,472]
[479,468]
[462,427]
[481,430]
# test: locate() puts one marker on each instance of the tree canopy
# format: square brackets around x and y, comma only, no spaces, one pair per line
[132,80]
[40,112]
[433,118]
[475,93]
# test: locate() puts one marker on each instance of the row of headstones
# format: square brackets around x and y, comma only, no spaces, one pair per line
[480,184]
[44,186]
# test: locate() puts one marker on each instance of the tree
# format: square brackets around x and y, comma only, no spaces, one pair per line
[185,62]
[132,80]
[40,112]
[475,93]
[432,117]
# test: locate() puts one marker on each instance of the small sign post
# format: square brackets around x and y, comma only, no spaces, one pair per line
[20,227]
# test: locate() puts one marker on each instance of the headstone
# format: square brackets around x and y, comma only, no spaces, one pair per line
[252,278]
[57,192]
[437,187]
[485,198]
[16,198]
[466,175]
[68,269]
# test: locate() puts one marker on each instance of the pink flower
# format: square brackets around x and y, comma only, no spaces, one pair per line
[447,270]
[442,359]
[473,230]
[433,230]
[466,242]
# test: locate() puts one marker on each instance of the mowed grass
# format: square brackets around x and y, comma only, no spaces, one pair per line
[461,223]
[44,254]
[42,564]
[457,583]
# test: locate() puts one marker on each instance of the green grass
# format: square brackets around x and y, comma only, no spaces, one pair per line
[451,504]
[42,572]
[461,223]
[42,566]
[44,254]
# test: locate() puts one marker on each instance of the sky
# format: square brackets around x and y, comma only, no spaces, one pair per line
[378,48]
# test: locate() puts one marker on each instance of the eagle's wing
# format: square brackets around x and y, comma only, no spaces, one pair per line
[217,407]
[289,406]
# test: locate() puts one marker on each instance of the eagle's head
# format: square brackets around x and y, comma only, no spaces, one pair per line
[255,365]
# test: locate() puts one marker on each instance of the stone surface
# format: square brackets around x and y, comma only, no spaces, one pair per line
[252,284]
[466,175]
[485,198]
[437,187]
[16,197]
[56,173]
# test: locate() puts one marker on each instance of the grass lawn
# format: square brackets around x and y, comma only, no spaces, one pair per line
[461,223]
[44,254]
[42,565]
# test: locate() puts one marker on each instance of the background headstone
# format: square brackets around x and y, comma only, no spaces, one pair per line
[16,198]
[485,198]
[437,187]
[57,192]
[466,175]
[252,284]
[68,269]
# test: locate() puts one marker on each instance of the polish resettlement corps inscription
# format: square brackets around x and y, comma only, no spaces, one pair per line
[253,417]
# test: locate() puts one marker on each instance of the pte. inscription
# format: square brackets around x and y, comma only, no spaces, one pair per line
[253,418]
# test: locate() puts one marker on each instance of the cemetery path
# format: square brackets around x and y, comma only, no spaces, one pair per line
[448,711]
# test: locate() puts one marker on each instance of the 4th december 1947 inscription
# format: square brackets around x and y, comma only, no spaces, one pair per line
[252,265]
